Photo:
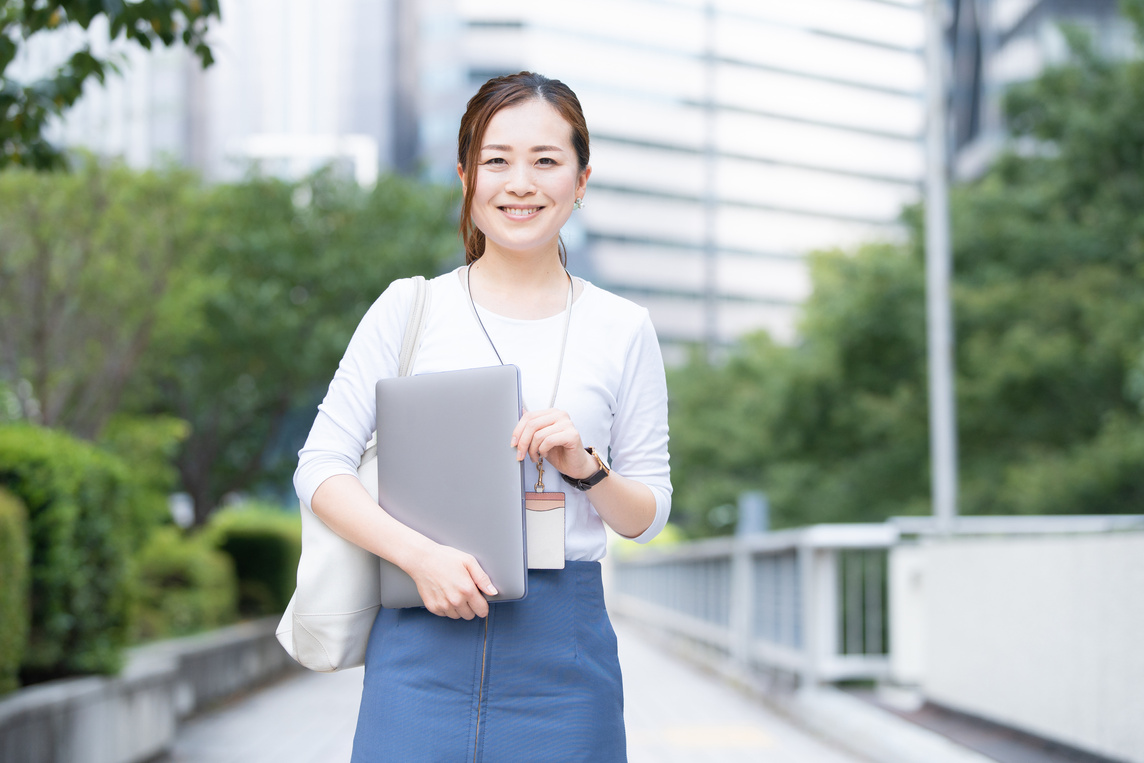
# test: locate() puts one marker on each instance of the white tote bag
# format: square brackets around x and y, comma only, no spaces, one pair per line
[327,622]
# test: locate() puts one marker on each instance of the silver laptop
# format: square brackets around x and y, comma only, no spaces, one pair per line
[445,469]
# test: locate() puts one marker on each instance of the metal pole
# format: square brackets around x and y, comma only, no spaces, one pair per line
[943,427]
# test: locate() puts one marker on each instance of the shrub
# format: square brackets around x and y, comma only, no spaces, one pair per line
[13,589]
[265,542]
[82,518]
[185,586]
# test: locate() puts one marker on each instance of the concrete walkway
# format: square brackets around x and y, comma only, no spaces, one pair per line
[675,712]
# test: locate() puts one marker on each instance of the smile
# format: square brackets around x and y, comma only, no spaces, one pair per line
[520,211]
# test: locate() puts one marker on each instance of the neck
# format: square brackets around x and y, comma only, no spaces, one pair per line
[501,271]
[519,287]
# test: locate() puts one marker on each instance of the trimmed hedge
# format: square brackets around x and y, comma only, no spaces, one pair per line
[83,512]
[265,543]
[13,589]
[185,586]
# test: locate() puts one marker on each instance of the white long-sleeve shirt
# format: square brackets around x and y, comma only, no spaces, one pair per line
[612,386]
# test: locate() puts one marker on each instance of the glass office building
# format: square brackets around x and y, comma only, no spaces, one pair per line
[729,139]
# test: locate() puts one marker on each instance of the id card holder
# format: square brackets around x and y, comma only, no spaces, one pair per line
[544,528]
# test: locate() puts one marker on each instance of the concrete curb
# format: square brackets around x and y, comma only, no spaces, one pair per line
[868,731]
[134,716]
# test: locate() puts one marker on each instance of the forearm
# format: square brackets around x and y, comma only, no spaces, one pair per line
[451,582]
[344,505]
[626,505]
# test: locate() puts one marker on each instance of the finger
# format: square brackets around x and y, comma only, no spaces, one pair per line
[530,422]
[478,608]
[526,444]
[542,432]
[441,608]
[521,436]
[481,578]
[523,423]
[558,437]
[552,439]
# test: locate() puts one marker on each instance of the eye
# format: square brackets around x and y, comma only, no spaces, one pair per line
[495,160]
[547,160]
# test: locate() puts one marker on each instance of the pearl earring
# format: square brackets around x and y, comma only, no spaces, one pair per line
[578,204]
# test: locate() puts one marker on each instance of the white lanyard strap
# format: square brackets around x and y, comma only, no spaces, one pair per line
[559,363]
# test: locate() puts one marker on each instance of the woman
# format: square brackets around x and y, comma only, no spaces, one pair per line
[536,679]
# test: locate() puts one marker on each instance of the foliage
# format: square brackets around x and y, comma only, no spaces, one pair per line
[27,108]
[288,272]
[130,294]
[1049,320]
[88,263]
[822,426]
[83,525]
[185,585]
[150,444]
[13,589]
[264,543]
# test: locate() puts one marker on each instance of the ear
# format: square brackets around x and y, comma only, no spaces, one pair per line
[461,175]
[582,182]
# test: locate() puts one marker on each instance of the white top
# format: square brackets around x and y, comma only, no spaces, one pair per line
[612,386]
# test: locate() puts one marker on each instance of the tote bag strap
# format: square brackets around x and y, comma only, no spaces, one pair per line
[411,342]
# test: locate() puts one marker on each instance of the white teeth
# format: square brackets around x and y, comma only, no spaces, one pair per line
[521,212]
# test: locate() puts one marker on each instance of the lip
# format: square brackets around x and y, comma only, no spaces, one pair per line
[504,208]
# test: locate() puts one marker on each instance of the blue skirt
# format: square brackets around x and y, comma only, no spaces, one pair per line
[537,679]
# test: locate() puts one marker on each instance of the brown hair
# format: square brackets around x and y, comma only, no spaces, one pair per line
[496,94]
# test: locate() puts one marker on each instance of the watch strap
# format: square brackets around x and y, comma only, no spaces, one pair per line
[595,478]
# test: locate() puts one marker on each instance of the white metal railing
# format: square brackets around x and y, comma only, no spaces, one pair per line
[813,601]
[810,601]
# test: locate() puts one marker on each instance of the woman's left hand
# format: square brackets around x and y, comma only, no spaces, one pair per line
[550,434]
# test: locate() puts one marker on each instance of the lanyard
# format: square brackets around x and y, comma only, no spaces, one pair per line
[559,363]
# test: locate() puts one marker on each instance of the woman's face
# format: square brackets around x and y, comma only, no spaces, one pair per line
[527,177]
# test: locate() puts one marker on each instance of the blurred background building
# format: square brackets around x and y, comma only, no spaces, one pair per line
[729,137]
[997,43]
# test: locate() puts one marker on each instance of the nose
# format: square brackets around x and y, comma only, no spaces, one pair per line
[520,180]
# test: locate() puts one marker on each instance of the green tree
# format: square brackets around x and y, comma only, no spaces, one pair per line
[820,426]
[88,262]
[1049,314]
[26,108]
[288,273]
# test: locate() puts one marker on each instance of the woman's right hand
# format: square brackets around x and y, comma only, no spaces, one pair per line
[452,583]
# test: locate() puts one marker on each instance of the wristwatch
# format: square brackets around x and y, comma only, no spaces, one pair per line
[595,479]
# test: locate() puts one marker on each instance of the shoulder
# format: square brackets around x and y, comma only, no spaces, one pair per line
[615,309]
[617,317]
[398,297]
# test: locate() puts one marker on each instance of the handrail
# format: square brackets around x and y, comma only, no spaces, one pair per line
[809,601]
[812,601]
[1022,525]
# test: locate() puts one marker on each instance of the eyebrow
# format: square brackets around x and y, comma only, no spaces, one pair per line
[535,149]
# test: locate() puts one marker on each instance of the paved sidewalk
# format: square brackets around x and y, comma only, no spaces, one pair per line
[675,713]
[307,718]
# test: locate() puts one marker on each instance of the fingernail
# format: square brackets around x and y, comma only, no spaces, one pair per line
[492,591]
